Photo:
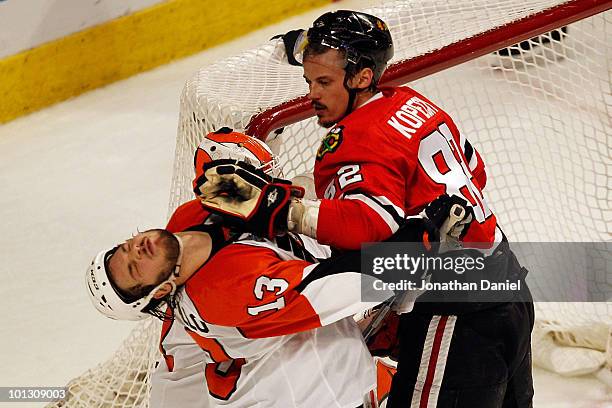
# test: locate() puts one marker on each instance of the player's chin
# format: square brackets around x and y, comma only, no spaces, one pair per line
[168,242]
[325,122]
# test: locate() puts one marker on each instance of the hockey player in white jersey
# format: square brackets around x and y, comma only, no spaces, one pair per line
[277,330]
[274,328]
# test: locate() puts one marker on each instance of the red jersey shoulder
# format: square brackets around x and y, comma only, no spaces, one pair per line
[187,215]
[412,113]
[358,129]
[395,112]
[358,134]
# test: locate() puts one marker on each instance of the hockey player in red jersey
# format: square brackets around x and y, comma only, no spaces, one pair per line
[388,153]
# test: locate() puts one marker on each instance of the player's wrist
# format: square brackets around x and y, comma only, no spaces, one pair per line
[303,216]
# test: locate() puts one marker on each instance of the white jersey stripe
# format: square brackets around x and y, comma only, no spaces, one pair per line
[386,216]
[473,161]
[462,140]
[433,361]
[425,356]
[385,201]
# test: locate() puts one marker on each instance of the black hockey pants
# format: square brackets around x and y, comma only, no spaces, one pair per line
[465,355]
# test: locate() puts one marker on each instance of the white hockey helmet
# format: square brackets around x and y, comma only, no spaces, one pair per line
[109,301]
[228,144]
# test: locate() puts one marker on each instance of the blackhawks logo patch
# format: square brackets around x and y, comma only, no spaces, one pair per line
[330,142]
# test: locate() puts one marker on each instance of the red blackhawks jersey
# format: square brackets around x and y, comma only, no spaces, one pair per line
[273,329]
[387,160]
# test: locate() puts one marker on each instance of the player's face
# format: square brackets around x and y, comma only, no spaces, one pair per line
[143,262]
[324,74]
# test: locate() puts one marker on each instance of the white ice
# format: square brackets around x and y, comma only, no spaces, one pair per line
[85,174]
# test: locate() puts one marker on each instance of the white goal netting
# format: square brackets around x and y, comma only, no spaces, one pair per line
[539,112]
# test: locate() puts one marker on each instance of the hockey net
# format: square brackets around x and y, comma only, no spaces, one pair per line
[527,82]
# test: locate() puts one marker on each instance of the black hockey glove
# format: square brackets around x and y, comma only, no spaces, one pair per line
[247,198]
[417,229]
[451,215]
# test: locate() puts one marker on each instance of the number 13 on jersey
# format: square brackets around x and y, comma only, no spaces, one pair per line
[443,162]
[264,284]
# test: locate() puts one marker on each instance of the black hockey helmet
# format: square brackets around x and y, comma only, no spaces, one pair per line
[361,36]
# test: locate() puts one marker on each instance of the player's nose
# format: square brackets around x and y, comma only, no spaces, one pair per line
[135,248]
[313,93]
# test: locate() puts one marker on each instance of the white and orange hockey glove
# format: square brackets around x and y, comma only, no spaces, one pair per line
[247,198]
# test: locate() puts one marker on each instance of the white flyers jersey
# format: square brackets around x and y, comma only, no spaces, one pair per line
[277,331]
[178,379]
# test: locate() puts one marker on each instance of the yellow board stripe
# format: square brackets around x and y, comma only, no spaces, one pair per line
[128,45]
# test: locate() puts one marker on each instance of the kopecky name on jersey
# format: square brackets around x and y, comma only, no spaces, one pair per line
[411,116]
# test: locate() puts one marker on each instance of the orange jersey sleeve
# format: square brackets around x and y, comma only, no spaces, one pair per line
[251,288]
[192,216]
[187,215]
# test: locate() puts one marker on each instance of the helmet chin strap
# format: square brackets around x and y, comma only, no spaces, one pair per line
[179,259]
[352,93]
[172,278]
